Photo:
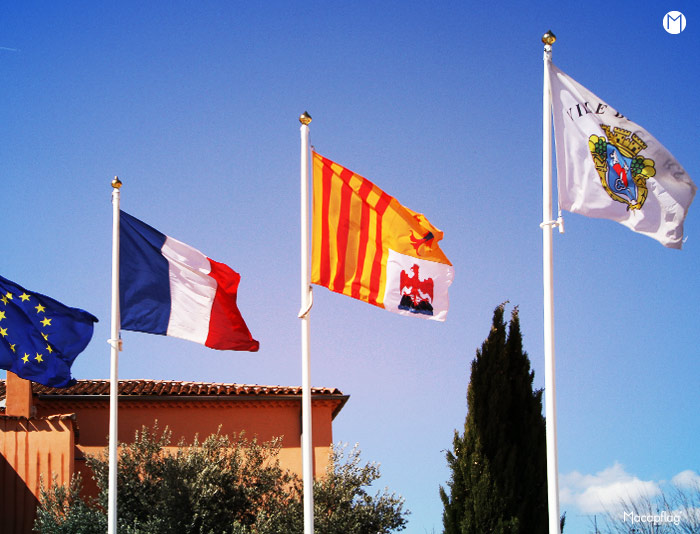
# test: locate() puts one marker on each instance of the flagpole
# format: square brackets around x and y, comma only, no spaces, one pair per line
[115,343]
[306,302]
[548,283]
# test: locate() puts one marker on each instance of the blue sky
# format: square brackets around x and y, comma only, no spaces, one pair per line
[194,106]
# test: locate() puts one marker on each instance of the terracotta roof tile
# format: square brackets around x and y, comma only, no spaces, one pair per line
[173,388]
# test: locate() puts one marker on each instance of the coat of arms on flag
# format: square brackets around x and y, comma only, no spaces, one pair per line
[623,172]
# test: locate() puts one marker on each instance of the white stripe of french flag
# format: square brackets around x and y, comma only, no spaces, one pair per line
[168,287]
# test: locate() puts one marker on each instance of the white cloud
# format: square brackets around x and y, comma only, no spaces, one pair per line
[616,492]
[604,491]
[686,479]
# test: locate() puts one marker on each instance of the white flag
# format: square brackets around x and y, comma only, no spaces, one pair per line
[611,168]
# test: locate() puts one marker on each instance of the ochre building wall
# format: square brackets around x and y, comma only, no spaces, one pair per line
[47,434]
[32,451]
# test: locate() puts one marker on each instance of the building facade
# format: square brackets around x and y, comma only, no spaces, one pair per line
[47,433]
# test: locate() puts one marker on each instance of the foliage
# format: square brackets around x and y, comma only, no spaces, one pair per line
[342,504]
[223,485]
[221,481]
[498,465]
[64,511]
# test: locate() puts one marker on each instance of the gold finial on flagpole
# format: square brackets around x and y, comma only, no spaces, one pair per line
[549,38]
[305,118]
[116,183]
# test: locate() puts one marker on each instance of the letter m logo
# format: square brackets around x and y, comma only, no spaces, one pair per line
[674,22]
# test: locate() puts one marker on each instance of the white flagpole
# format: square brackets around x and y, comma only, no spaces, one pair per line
[115,343]
[548,282]
[306,302]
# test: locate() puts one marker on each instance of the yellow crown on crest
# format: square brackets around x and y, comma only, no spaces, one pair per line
[628,143]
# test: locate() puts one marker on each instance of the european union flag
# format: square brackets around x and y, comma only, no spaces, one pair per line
[39,336]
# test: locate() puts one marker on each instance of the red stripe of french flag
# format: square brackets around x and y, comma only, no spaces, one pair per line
[203,296]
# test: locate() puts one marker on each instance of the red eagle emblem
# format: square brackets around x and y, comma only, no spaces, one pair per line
[416,294]
[427,240]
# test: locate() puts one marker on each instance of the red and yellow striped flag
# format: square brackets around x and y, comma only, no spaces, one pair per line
[368,246]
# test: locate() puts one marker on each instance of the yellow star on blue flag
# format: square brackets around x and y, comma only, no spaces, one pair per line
[40,337]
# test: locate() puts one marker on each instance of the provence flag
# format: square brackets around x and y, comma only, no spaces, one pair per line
[39,336]
[366,245]
[170,288]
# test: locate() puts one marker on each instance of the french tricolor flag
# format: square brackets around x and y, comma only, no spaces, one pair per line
[172,289]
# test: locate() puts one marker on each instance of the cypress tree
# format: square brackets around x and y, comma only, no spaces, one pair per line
[498,480]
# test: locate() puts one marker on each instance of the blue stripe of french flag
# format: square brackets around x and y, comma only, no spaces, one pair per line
[172,289]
